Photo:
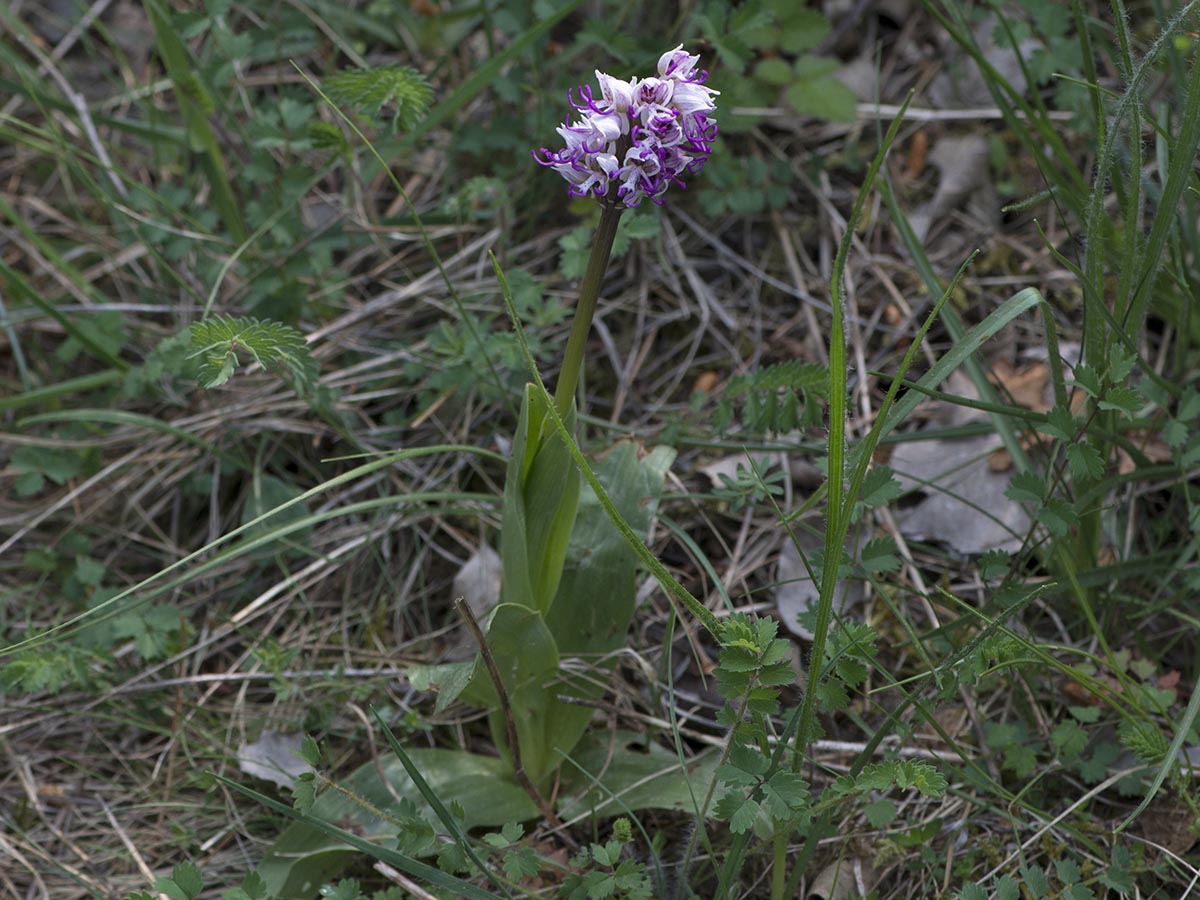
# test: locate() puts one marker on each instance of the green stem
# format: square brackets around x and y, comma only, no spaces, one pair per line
[589,293]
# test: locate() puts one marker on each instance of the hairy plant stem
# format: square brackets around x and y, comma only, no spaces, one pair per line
[589,293]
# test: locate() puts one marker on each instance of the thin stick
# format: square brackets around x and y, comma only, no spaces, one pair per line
[510,726]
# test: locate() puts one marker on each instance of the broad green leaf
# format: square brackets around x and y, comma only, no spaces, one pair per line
[303,859]
[528,662]
[773,70]
[590,616]
[802,30]
[809,67]
[448,679]
[608,774]
[541,497]
[823,98]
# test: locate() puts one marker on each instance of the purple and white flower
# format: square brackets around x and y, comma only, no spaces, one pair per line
[642,134]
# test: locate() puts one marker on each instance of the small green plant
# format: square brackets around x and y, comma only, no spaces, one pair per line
[613,874]
[217,341]
[367,91]
[749,485]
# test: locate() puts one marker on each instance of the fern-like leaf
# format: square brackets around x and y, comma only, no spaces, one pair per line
[366,91]
[218,340]
[774,399]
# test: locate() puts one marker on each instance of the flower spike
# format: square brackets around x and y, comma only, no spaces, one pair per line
[642,134]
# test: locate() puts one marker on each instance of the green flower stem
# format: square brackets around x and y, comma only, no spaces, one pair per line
[589,293]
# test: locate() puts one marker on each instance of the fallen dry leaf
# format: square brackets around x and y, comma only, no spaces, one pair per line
[963,178]
[272,758]
[965,505]
[1026,385]
[918,148]
[705,382]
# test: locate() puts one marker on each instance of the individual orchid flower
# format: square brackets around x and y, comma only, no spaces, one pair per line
[644,134]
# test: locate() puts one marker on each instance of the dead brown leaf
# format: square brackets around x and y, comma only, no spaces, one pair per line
[705,382]
[1026,385]
[918,149]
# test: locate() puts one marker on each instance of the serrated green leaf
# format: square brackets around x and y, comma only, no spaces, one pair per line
[1060,423]
[1058,516]
[880,487]
[1189,405]
[522,863]
[822,98]
[414,834]
[994,564]
[1118,877]
[1175,434]
[1036,881]
[254,887]
[1122,399]
[742,819]
[1026,487]
[309,751]
[747,760]
[1084,460]
[1069,739]
[187,876]
[89,571]
[1088,379]
[880,813]
[972,892]
[881,555]
[1007,888]
[304,792]
[1020,760]
[1085,714]
[790,789]
[1120,363]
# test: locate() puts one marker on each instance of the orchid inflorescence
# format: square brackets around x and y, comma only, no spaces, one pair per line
[642,134]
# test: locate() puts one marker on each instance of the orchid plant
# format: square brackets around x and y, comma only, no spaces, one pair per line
[567,586]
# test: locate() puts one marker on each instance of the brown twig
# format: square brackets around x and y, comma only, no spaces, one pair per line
[510,725]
